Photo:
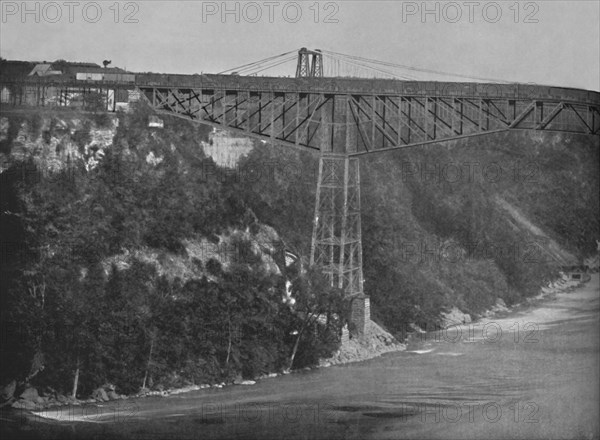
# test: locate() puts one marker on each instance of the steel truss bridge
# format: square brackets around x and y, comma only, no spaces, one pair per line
[344,118]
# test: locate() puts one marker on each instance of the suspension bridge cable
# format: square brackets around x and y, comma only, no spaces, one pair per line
[377,69]
[244,66]
[366,67]
[259,65]
[254,63]
[275,64]
[417,69]
[392,64]
[436,72]
[353,66]
[258,68]
[253,70]
[401,66]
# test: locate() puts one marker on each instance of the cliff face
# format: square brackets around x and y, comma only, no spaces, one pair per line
[51,142]
[225,148]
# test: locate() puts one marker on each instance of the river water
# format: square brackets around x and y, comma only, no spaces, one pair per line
[532,374]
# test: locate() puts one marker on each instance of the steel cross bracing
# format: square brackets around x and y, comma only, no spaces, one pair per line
[315,120]
[336,242]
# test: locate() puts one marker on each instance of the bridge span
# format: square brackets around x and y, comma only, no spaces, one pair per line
[351,116]
[358,116]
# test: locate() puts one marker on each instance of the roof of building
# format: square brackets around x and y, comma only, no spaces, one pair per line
[21,69]
[40,69]
[44,69]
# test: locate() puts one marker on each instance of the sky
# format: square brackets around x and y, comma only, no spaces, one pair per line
[550,42]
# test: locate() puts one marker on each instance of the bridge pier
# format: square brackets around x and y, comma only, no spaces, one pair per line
[360,315]
[337,241]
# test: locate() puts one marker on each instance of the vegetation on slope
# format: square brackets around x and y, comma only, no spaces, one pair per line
[434,233]
[73,324]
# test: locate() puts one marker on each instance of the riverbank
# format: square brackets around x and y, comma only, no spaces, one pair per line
[376,342]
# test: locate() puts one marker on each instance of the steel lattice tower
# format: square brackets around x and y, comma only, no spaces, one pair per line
[310,64]
[337,241]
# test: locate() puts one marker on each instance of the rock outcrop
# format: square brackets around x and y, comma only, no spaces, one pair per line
[7,392]
[58,142]
[375,342]
[100,395]
[499,307]
[454,317]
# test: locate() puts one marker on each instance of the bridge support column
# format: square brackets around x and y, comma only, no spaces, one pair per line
[360,315]
[336,241]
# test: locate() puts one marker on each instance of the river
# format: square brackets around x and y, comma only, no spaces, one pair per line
[532,374]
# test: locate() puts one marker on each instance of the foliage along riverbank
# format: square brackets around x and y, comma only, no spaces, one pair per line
[376,343]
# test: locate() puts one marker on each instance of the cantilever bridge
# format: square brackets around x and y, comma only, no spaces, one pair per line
[343,118]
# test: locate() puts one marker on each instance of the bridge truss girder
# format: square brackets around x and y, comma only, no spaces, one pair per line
[377,122]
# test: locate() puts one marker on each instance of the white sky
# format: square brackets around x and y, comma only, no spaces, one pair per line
[562,48]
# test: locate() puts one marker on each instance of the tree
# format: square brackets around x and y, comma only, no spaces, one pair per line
[94,102]
[316,297]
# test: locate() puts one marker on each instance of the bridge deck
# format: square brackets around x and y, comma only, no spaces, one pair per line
[346,115]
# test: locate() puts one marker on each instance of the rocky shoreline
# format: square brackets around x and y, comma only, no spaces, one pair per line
[376,343]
